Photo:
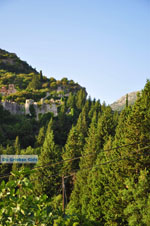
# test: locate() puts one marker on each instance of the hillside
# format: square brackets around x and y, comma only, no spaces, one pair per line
[91,159]
[28,83]
[12,63]
[120,104]
[26,95]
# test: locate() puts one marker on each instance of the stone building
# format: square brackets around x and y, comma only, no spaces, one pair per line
[28,103]
[43,108]
[3,91]
[40,109]
[13,107]
[11,89]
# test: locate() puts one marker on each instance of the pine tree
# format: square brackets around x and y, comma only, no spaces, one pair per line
[41,76]
[6,168]
[106,125]
[95,107]
[80,98]
[49,155]
[105,130]
[35,82]
[133,126]
[75,204]
[15,166]
[136,195]
[71,101]
[41,136]
[82,123]
[72,149]
[127,102]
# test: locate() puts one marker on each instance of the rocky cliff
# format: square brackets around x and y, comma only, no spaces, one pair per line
[120,104]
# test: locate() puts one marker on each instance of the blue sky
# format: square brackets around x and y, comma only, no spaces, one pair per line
[104,45]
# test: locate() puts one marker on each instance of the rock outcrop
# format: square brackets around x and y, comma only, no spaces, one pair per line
[120,104]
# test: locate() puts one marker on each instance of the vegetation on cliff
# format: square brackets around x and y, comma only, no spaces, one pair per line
[10,62]
[29,83]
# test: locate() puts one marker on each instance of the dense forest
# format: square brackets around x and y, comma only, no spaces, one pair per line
[93,163]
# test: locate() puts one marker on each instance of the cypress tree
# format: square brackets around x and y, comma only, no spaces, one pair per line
[35,82]
[41,76]
[50,154]
[15,166]
[133,126]
[136,195]
[80,98]
[41,136]
[75,204]
[127,102]
[72,149]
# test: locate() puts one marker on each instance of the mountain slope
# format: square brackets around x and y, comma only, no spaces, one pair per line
[12,63]
[120,104]
[27,83]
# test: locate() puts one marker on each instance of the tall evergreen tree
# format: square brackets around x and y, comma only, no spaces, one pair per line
[71,101]
[95,107]
[134,126]
[41,76]
[15,166]
[127,101]
[82,122]
[35,82]
[72,149]
[136,195]
[80,98]
[81,177]
[50,154]
[41,136]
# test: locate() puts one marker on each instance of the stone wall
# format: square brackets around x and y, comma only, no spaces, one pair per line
[15,108]
[42,109]
[27,106]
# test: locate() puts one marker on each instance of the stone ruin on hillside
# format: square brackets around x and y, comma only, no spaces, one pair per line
[43,108]
[5,92]
[13,107]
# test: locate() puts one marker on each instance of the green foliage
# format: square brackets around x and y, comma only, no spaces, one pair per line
[21,96]
[127,102]
[32,111]
[41,76]
[80,98]
[12,126]
[20,206]
[71,101]
[35,83]
[136,196]
[72,149]
[11,63]
[41,136]
[29,83]
[45,182]
[17,152]
[111,183]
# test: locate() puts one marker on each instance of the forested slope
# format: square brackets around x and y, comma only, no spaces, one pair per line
[101,155]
